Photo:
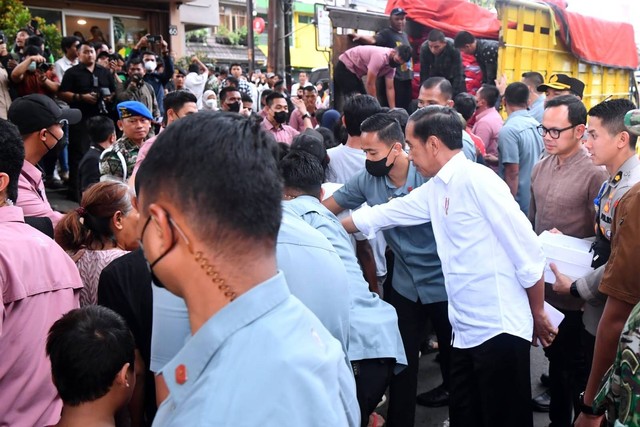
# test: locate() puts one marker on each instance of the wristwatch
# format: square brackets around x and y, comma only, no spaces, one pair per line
[588,409]
[573,289]
[306,116]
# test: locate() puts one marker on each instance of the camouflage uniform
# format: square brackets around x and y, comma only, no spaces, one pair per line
[119,159]
[620,388]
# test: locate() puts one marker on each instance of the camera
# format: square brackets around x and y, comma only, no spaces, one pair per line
[102,92]
[44,67]
[154,39]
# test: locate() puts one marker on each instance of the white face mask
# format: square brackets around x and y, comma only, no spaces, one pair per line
[211,104]
[150,65]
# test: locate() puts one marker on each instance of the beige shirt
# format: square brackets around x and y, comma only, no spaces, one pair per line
[5,98]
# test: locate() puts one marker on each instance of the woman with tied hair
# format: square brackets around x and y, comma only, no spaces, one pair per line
[102,229]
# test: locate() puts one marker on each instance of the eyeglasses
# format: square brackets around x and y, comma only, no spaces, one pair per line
[553,133]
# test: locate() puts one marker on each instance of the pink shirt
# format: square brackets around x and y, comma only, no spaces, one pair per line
[283,133]
[297,122]
[487,126]
[37,286]
[362,59]
[144,150]
[31,195]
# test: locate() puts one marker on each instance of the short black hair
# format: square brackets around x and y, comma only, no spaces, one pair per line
[175,100]
[462,39]
[404,51]
[401,115]
[88,347]
[577,110]
[100,128]
[34,41]
[105,54]
[275,95]
[465,104]
[136,60]
[357,109]
[245,97]
[386,127]
[86,43]
[310,88]
[11,156]
[436,36]
[327,136]
[194,68]
[302,171]
[489,93]
[225,91]
[612,113]
[235,64]
[264,94]
[441,83]
[534,78]
[439,121]
[219,169]
[517,94]
[232,81]
[148,53]
[312,142]
[67,42]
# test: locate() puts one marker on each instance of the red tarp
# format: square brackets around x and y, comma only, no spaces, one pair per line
[591,40]
[451,16]
[597,41]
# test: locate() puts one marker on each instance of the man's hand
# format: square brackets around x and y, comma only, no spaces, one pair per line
[143,42]
[501,84]
[585,420]
[194,59]
[563,283]
[3,49]
[165,45]
[543,330]
[245,112]
[89,98]
[299,104]
[37,58]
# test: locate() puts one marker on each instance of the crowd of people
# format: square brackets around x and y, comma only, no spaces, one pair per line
[243,254]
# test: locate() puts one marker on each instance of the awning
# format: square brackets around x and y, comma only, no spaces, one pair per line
[222,53]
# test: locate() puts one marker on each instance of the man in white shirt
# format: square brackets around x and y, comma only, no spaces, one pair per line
[196,79]
[495,307]
[69,46]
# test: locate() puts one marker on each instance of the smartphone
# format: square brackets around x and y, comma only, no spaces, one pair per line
[34,24]
[154,39]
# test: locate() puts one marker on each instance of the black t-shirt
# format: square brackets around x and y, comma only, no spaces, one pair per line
[389,37]
[78,79]
[125,287]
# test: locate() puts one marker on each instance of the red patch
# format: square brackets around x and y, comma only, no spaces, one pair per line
[181,374]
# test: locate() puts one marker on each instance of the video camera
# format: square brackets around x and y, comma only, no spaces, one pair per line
[102,93]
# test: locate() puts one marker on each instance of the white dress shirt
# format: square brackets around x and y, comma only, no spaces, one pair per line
[489,252]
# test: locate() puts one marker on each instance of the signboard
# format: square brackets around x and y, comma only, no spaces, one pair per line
[173,30]
[324,32]
[258,25]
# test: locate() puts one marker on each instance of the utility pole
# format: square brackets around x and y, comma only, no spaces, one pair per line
[275,34]
[250,41]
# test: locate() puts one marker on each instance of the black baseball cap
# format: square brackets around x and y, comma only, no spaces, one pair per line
[397,11]
[32,113]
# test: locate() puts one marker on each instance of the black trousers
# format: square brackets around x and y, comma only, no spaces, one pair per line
[78,145]
[567,370]
[403,93]
[490,384]
[412,322]
[345,83]
[372,379]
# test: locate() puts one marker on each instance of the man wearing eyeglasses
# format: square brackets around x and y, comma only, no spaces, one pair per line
[563,187]
[519,144]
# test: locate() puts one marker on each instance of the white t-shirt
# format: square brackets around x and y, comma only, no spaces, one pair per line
[195,83]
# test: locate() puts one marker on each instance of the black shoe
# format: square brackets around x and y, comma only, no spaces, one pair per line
[434,398]
[545,380]
[52,183]
[541,402]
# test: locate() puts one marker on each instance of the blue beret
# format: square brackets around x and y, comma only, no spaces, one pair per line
[133,108]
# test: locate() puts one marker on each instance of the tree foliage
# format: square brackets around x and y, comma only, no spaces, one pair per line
[14,15]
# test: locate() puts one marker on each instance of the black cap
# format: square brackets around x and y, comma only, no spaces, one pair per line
[312,142]
[397,11]
[563,82]
[32,113]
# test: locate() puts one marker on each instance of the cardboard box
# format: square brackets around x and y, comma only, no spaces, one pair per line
[571,255]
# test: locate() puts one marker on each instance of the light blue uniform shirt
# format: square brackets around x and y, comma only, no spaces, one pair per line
[263,359]
[468,147]
[537,108]
[315,275]
[519,142]
[417,272]
[373,331]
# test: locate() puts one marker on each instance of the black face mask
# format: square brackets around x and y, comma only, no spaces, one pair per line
[280,117]
[235,107]
[378,168]
[59,145]
[150,265]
